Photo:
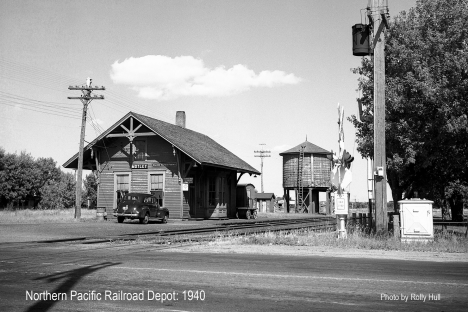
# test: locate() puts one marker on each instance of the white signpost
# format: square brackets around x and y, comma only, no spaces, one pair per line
[341,209]
[341,176]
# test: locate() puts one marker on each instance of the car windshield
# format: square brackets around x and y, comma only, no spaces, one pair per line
[131,198]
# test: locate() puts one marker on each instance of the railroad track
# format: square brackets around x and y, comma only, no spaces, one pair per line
[179,238]
[244,228]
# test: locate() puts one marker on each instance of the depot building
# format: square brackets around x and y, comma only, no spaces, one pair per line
[191,174]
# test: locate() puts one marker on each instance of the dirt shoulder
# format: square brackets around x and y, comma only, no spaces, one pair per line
[322,251]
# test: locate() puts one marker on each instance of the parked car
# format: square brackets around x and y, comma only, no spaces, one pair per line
[141,206]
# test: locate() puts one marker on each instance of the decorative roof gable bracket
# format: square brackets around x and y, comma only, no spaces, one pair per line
[131,133]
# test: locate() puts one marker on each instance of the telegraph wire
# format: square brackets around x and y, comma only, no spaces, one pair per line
[31,75]
[39,101]
[43,104]
[25,102]
[37,72]
[42,123]
[40,111]
[116,100]
[92,115]
[41,108]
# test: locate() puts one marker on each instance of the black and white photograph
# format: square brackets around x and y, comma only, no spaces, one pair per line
[233,155]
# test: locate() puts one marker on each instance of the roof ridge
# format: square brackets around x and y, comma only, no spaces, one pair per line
[315,149]
[198,146]
[188,129]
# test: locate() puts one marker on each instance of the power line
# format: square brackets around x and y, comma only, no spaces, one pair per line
[39,110]
[44,78]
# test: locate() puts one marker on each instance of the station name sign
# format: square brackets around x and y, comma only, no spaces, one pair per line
[140,166]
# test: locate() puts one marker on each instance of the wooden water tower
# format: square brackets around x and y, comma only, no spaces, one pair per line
[306,170]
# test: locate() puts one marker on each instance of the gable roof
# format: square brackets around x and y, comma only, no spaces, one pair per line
[310,148]
[264,195]
[199,147]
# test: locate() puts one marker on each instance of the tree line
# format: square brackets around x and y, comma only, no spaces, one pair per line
[26,181]
[426,97]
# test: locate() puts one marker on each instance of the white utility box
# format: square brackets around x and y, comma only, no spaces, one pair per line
[416,220]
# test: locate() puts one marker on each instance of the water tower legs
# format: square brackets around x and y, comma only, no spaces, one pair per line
[286,199]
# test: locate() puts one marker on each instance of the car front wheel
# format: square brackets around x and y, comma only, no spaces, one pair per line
[145,219]
[164,219]
[120,219]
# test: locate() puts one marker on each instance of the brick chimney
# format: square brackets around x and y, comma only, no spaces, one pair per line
[180,119]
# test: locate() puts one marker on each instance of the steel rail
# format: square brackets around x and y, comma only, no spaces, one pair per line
[256,227]
[180,236]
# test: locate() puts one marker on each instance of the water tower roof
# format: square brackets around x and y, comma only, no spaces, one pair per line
[310,148]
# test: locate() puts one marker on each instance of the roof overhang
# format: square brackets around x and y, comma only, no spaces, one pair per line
[72,163]
[239,170]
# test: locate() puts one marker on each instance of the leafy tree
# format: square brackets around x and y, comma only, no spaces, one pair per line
[46,170]
[59,194]
[426,103]
[2,155]
[16,177]
[21,176]
[90,185]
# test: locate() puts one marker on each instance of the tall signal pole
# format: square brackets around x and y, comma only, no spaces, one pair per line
[85,98]
[262,154]
[377,11]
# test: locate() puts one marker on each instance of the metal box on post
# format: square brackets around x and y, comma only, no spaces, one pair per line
[361,45]
[416,219]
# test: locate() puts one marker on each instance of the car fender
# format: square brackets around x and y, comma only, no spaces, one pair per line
[144,211]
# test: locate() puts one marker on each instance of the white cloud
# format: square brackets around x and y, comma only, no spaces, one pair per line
[163,78]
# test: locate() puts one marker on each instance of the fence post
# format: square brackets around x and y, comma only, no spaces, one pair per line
[396,225]
[466,233]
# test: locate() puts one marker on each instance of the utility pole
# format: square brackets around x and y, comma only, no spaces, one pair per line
[262,154]
[85,98]
[377,12]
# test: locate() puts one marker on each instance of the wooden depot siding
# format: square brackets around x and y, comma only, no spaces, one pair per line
[139,182]
[181,155]
[106,193]
[172,199]
[232,183]
[159,158]
[185,205]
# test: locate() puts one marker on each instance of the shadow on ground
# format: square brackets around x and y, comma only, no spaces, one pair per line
[70,279]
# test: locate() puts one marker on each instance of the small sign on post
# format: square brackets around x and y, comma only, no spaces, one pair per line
[341,203]
[341,210]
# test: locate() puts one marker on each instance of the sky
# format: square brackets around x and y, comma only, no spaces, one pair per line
[246,73]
